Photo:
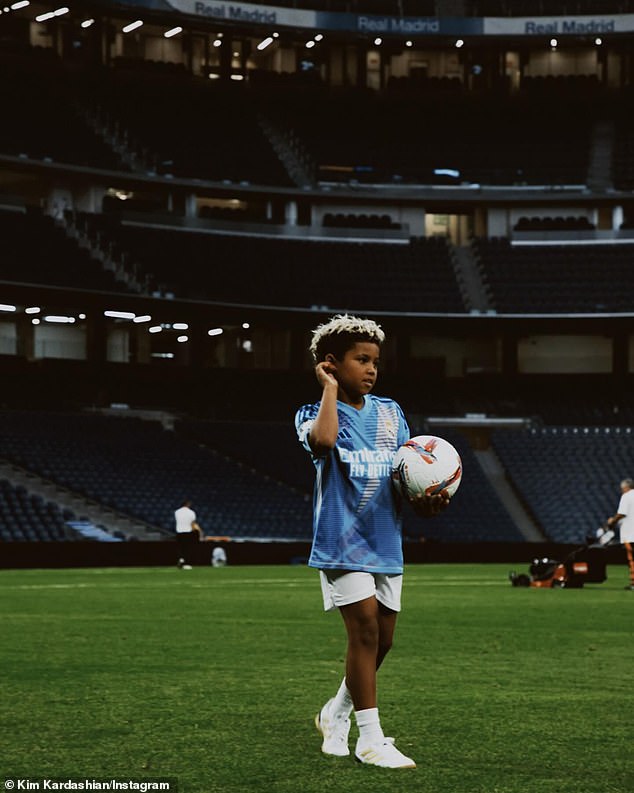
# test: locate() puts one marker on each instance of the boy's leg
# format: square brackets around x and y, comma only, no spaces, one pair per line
[333,721]
[362,626]
[370,627]
[387,625]
[342,701]
[370,630]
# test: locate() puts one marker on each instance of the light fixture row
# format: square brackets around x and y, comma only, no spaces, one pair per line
[14,6]
[66,319]
[177,29]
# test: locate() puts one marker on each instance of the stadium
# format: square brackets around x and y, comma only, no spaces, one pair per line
[186,190]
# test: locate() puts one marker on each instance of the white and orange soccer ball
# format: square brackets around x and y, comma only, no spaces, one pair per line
[426,464]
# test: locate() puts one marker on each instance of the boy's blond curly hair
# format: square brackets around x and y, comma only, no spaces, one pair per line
[340,333]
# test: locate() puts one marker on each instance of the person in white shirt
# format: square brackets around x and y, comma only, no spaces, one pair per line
[187,532]
[625,519]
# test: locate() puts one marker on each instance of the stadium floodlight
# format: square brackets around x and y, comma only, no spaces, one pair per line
[119,314]
[215,332]
[265,43]
[20,4]
[182,339]
[173,32]
[142,318]
[32,310]
[7,307]
[59,319]
[132,26]
[447,172]
[87,23]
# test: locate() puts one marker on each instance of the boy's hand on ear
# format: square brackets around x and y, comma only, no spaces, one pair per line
[325,374]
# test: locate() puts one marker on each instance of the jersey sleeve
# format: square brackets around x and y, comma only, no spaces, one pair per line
[403,427]
[304,420]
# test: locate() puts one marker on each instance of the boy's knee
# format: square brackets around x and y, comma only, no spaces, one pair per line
[370,635]
[366,632]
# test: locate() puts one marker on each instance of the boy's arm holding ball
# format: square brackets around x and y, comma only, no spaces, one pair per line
[429,506]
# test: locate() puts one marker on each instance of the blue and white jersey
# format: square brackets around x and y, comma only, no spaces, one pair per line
[356,512]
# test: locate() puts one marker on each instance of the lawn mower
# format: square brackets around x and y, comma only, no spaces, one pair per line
[583,565]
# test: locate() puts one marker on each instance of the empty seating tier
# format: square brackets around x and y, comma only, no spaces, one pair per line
[27,517]
[568,477]
[556,278]
[417,276]
[37,250]
[141,470]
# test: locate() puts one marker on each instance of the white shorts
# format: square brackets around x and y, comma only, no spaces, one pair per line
[341,587]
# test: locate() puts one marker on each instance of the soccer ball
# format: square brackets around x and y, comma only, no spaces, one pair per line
[428,465]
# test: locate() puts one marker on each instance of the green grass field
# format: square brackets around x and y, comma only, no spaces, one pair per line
[212,677]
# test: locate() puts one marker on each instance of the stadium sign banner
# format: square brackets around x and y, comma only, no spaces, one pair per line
[401,26]
[246,12]
[375,25]
[320,20]
[559,26]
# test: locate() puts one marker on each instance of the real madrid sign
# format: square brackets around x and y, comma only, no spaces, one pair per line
[560,26]
[389,25]
[246,12]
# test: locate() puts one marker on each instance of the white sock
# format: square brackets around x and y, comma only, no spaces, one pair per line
[342,703]
[369,725]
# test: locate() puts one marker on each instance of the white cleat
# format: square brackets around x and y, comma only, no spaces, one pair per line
[382,753]
[335,731]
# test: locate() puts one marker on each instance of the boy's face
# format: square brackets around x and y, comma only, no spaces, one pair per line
[357,371]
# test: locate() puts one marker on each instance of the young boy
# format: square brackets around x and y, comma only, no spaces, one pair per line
[352,437]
